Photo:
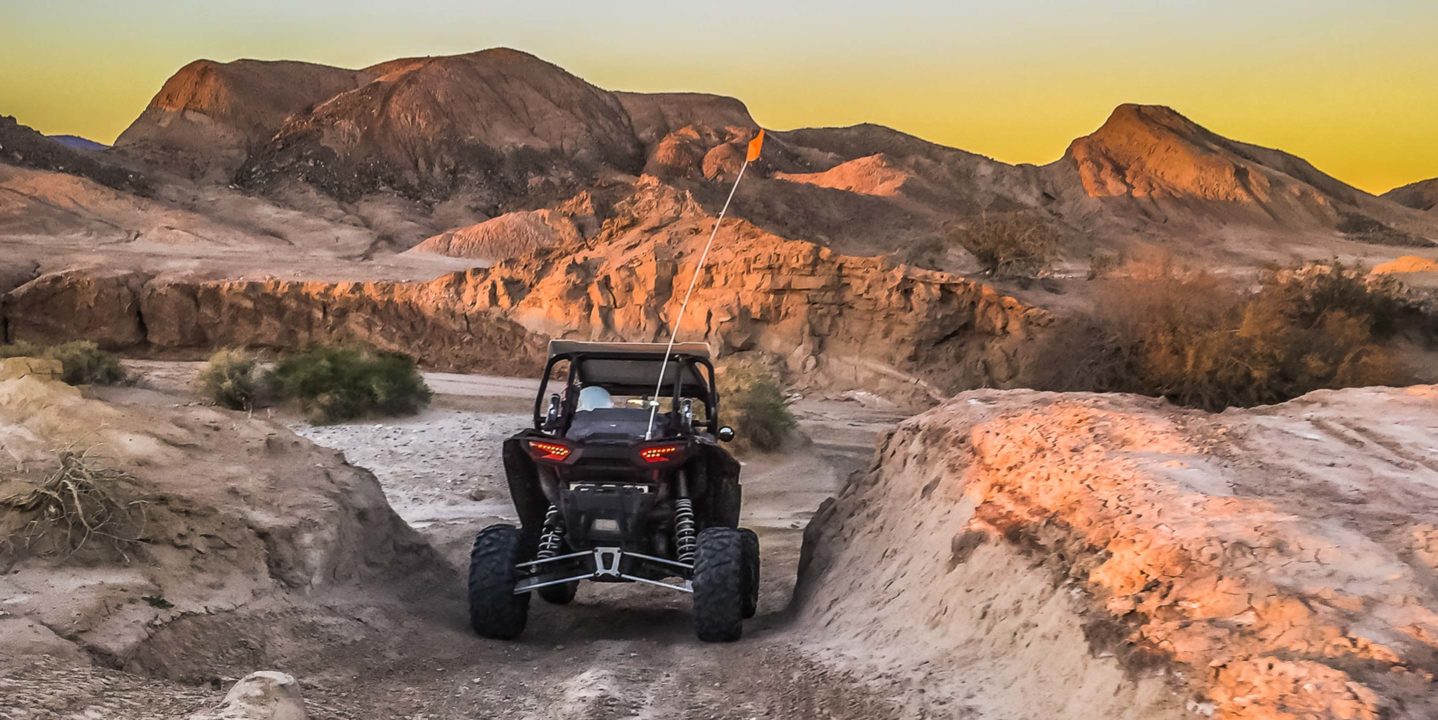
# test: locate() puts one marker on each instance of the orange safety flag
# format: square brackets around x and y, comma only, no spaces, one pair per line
[755,146]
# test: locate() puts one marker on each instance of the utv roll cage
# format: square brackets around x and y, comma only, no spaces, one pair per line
[630,369]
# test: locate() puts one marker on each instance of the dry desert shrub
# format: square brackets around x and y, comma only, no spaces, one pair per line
[1011,244]
[234,379]
[1207,342]
[753,399]
[78,506]
[83,361]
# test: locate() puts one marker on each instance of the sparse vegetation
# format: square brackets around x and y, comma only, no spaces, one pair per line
[755,404]
[83,361]
[1103,264]
[1011,244]
[76,506]
[338,383]
[1205,342]
[235,380]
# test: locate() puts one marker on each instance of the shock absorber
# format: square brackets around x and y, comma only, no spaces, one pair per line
[686,539]
[552,539]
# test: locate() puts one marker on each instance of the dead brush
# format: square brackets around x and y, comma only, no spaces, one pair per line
[75,507]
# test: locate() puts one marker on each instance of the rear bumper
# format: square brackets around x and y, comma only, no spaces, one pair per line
[605,564]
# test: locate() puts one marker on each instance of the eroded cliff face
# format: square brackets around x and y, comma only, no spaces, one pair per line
[1274,563]
[834,320]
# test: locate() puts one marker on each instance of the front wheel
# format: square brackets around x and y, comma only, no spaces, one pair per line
[494,610]
[719,585]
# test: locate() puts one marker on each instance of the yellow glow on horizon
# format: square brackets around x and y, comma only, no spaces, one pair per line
[1342,85]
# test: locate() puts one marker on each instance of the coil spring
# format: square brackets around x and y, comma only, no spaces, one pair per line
[685,539]
[552,541]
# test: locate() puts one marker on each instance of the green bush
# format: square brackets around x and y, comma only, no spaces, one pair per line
[22,348]
[1205,342]
[234,379]
[337,383]
[83,362]
[1011,244]
[755,401]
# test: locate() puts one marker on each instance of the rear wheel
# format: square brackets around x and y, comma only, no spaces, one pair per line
[751,571]
[719,585]
[494,610]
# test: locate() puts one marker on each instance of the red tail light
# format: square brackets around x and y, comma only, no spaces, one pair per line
[660,454]
[548,451]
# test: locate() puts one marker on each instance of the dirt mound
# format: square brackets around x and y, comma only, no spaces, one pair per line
[222,513]
[24,147]
[507,236]
[209,115]
[872,175]
[428,126]
[1086,550]
[1152,162]
[1407,264]
[1422,195]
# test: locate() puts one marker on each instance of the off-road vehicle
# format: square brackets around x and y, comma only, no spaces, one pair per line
[615,483]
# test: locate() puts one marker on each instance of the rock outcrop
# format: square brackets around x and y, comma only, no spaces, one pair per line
[264,695]
[1270,563]
[510,235]
[855,322]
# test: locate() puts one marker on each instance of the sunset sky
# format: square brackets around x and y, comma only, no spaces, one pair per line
[1351,86]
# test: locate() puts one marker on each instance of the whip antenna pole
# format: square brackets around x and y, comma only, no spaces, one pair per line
[753,154]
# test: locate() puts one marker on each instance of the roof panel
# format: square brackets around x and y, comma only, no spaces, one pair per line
[571,347]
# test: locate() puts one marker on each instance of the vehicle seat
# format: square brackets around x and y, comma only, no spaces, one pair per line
[613,424]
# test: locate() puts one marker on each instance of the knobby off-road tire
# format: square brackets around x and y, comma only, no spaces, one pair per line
[559,594]
[751,572]
[719,585]
[494,610]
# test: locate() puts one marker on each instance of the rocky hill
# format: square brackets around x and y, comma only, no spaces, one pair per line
[22,146]
[209,116]
[1153,165]
[1422,195]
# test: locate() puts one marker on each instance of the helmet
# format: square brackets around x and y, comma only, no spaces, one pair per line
[594,398]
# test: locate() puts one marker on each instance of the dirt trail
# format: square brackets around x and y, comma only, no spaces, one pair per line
[617,651]
[380,651]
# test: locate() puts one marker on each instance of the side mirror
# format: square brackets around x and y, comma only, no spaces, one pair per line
[726,434]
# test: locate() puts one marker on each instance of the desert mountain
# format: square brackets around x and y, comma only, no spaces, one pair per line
[1422,195]
[428,127]
[416,148]
[1152,164]
[209,116]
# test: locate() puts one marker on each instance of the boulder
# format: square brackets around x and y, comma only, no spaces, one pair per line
[264,695]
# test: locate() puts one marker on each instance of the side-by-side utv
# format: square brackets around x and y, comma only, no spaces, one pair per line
[603,493]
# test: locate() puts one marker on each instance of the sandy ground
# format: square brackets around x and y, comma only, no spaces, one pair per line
[617,652]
